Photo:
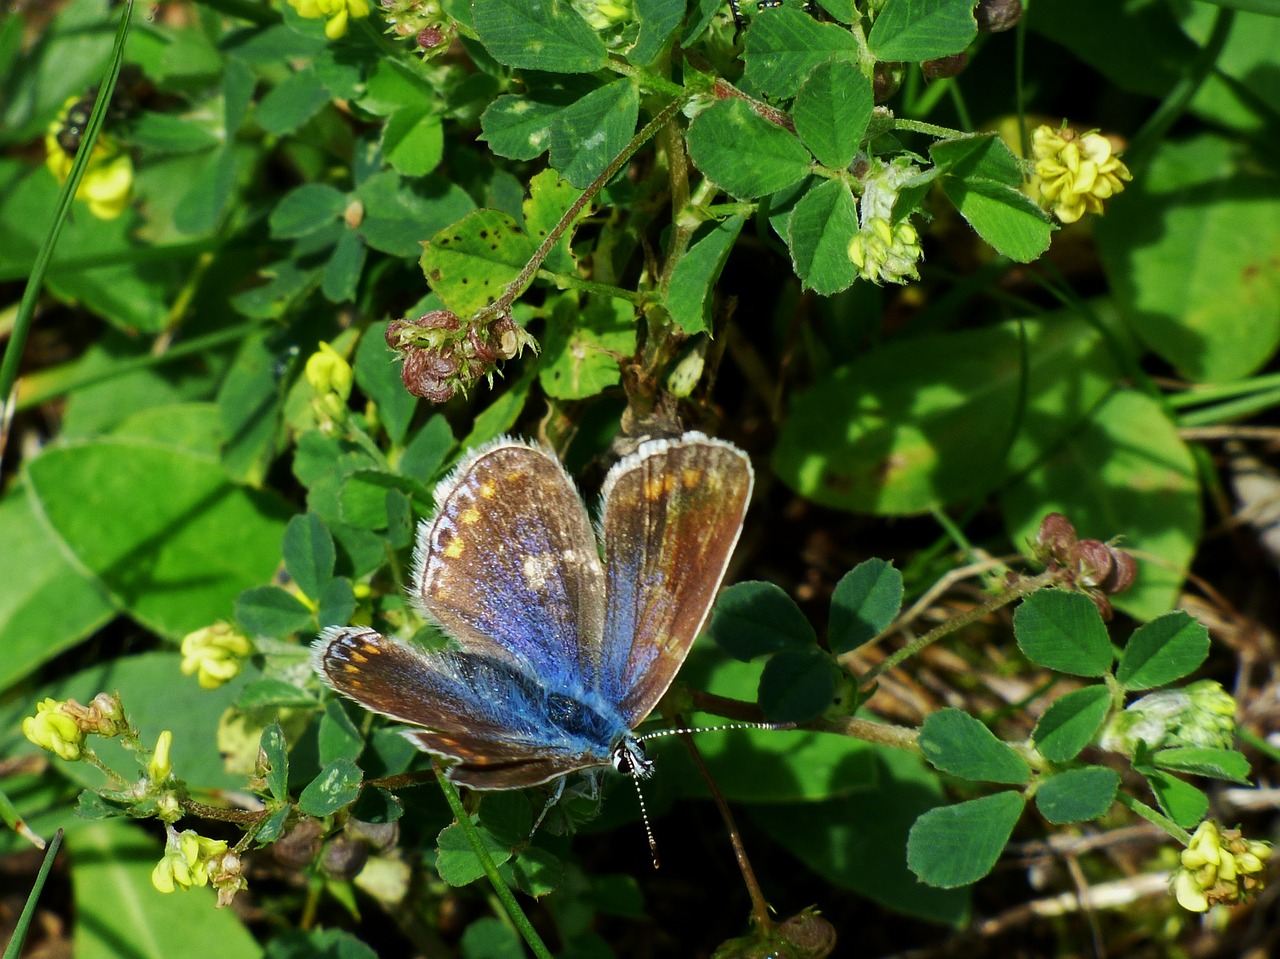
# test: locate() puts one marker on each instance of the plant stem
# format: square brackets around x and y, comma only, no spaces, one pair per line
[500,888]
[1021,588]
[26,310]
[14,948]
[879,734]
[89,756]
[1155,130]
[41,387]
[503,304]
[566,281]
[759,906]
[930,129]
[1152,816]
[243,817]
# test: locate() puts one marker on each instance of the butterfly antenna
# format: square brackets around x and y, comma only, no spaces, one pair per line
[684,730]
[711,729]
[644,817]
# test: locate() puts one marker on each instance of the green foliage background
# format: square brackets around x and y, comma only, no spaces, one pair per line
[167,467]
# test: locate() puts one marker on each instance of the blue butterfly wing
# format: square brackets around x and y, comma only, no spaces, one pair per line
[510,568]
[497,724]
[673,511]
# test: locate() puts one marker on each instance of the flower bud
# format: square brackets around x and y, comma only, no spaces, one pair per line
[886,78]
[226,875]
[328,371]
[1094,562]
[299,847]
[1200,714]
[168,808]
[344,857]
[377,835]
[161,767]
[1056,539]
[107,715]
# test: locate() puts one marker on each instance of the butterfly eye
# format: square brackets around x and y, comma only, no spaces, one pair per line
[629,759]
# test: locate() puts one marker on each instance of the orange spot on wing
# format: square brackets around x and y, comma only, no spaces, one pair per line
[655,487]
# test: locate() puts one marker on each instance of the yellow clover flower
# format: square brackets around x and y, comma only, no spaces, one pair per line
[1219,866]
[603,14]
[53,729]
[186,860]
[336,13]
[107,184]
[215,654]
[328,371]
[1074,174]
[885,253]
[330,377]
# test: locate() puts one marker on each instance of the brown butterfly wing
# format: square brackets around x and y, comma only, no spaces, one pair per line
[673,511]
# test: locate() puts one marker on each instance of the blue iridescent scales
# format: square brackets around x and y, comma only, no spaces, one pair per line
[559,655]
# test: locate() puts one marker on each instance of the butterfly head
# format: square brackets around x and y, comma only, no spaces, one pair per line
[629,759]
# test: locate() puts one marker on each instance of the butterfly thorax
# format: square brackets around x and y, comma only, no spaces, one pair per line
[585,718]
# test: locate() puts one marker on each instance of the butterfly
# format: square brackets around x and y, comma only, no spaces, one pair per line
[559,654]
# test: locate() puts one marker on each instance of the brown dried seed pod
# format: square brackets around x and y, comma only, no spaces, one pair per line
[996,16]
[943,67]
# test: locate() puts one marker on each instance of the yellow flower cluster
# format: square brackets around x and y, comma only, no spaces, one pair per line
[885,253]
[215,654]
[193,860]
[330,376]
[603,14]
[107,183]
[61,726]
[186,861]
[1074,174]
[55,729]
[1219,866]
[335,13]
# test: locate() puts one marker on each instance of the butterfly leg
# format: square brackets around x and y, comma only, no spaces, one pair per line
[554,798]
